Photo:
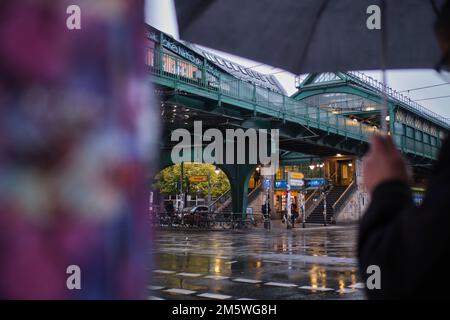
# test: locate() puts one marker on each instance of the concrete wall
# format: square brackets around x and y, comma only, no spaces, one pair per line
[356,205]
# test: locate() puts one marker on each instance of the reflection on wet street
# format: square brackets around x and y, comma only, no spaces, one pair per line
[312,263]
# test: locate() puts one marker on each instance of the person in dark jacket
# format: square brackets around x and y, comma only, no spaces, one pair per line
[410,244]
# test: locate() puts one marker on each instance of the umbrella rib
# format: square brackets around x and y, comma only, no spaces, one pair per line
[313,31]
[384,106]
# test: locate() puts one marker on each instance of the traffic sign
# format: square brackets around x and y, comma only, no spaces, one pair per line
[295,179]
[296,175]
[267,184]
[280,184]
[316,183]
[198,178]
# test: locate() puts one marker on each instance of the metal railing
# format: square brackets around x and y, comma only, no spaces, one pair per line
[379,87]
[251,96]
[220,201]
[399,97]
[333,177]
[254,193]
[270,102]
[342,200]
[316,203]
[210,221]
[309,200]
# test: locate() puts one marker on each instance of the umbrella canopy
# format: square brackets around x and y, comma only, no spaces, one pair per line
[316,35]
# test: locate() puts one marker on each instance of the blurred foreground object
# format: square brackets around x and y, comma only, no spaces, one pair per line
[384,162]
[74,141]
[408,244]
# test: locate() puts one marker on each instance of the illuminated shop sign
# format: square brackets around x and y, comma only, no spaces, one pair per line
[316,183]
[180,50]
[280,184]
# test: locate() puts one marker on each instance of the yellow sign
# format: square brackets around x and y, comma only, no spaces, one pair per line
[296,175]
[198,178]
[251,183]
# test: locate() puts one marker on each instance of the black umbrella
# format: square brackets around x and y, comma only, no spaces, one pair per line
[317,35]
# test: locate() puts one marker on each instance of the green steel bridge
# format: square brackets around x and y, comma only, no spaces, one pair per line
[330,113]
[417,131]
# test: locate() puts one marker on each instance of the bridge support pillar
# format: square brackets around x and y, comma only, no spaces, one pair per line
[239,175]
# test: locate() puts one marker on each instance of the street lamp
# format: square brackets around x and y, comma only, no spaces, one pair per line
[320,166]
[324,207]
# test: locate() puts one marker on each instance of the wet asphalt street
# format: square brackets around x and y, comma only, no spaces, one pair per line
[311,263]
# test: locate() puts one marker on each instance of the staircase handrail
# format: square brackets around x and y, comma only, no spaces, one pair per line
[311,195]
[253,192]
[344,197]
[314,206]
[226,193]
[333,175]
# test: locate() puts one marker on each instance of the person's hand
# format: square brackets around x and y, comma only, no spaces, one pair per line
[383,163]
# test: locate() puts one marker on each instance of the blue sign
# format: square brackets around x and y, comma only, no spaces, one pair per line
[267,184]
[418,198]
[280,184]
[316,183]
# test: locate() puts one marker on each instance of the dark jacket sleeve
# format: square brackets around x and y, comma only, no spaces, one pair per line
[409,244]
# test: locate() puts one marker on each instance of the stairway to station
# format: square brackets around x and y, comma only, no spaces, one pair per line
[317,215]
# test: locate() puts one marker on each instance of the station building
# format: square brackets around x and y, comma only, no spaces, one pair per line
[325,126]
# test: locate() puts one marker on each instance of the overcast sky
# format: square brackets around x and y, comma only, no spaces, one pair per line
[161,14]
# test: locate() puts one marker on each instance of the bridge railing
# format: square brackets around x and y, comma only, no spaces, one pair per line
[411,145]
[170,66]
[398,96]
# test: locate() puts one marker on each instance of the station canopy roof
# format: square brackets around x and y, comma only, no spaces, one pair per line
[239,71]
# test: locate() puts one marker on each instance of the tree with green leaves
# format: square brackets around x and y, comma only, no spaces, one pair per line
[169,178]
